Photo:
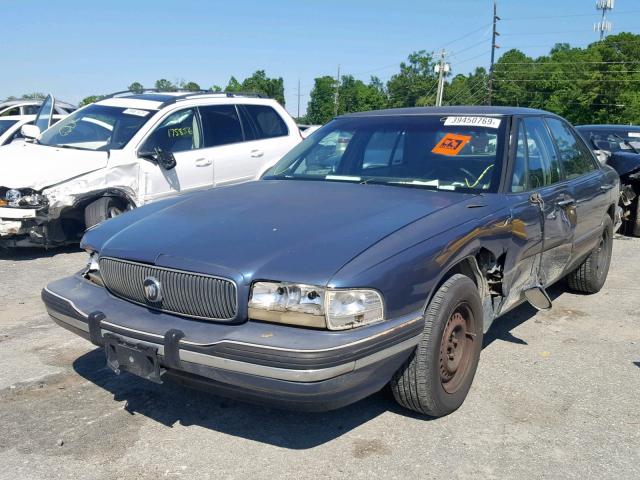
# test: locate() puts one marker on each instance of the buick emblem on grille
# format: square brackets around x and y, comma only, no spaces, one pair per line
[152,289]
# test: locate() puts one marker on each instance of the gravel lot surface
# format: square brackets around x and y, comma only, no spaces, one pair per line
[556,396]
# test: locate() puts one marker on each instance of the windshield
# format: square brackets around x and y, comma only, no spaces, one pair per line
[96,127]
[615,141]
[6,125]
[462,153]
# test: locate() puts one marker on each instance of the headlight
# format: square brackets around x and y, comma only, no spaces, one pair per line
[311,306]
[13,196]
[92,270]
[27,198]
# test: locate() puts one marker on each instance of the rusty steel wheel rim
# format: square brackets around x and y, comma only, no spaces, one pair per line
[456,348]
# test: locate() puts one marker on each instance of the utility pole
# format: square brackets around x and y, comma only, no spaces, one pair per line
[336,97]
[298,99]
[603,26]
[441,68]
[493,49]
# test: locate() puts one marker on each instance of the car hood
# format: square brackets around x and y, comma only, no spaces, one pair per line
[624,162]
[301,231]
[28,165]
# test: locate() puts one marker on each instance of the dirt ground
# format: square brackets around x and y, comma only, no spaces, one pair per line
[556,396]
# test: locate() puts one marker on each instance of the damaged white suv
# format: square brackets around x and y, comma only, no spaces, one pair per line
[125,151]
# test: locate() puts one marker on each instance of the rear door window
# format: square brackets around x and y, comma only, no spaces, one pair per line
[575,159]
[220,125]
[265,121]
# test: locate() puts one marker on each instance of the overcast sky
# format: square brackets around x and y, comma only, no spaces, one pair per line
[74,48]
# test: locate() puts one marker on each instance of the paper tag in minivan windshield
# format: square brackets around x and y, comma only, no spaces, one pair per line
[488,122]
[136,112]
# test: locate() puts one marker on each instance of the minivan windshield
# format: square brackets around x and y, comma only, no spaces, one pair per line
[96,127]
[444,152]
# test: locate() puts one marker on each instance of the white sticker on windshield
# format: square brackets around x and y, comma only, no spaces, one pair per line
[136,112]
[488,122]
[634,134]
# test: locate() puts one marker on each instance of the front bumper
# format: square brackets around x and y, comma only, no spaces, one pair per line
[282,365]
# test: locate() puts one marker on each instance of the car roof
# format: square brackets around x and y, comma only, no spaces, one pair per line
[452,110]
[608,127]
[159,100]
[13,103]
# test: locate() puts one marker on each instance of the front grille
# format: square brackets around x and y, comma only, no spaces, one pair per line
[183,293]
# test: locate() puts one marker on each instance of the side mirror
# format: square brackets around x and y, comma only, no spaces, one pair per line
[30,131]
[538,298]
[165,159]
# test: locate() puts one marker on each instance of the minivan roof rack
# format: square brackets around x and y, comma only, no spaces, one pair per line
[186,94]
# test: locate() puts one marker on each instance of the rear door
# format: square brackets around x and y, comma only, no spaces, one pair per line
[585,182]
[268,135]
[225,146]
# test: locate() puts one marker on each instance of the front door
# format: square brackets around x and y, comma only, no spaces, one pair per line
[180,134]
[537,171]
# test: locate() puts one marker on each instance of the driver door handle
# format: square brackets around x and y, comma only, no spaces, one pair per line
[566,202]
[606,188]
[203,162]
[257,153]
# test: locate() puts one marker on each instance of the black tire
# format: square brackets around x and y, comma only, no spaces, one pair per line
[103,209]
[634,222]
[590,276]
[436,378]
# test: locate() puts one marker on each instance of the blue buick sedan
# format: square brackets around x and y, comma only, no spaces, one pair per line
[378,251]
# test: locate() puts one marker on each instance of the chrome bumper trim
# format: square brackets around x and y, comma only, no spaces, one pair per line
[287,374]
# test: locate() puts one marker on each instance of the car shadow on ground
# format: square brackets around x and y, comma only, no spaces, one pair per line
[502,327]
[33,253]
[171,403]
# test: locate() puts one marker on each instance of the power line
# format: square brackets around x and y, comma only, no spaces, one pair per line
[544,17]
[614,80]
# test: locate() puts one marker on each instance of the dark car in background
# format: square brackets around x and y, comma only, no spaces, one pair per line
[619,147]
[378,251]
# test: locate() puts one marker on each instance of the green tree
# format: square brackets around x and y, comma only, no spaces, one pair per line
[190,86]
[136,87]
[90,99]
[233,85]
[164,85]
[416,84]
[260,83]
[321,107]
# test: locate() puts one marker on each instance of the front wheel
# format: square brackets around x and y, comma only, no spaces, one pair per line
[436,378]
[103,209]
[590,276]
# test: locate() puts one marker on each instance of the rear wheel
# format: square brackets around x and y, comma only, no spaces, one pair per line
[436,378]
[103,209]
[590,276]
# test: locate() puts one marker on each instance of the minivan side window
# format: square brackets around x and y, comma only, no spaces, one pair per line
[542,161]
[574,159]
[265,121]
[178,132]
[220,125]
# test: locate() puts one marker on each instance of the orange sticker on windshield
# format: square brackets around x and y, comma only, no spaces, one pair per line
[451,144]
